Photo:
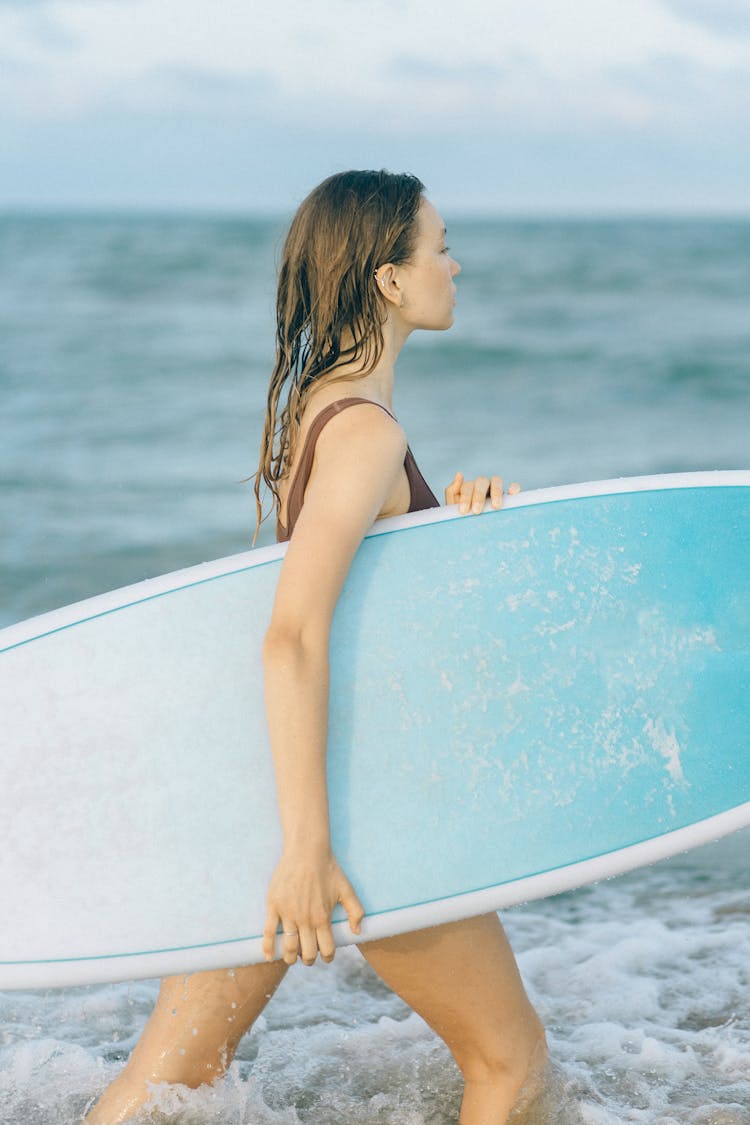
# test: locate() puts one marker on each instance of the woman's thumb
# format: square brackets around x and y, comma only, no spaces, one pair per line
[351,904]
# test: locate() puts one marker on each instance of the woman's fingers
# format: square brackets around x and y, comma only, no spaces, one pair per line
[465,495]
[471,495]
[289,942]
[269,936]
[292,942]
[308,944]
[288,939]
[481,488]
[326,944]
[453,491]
[355,911]
[496,492]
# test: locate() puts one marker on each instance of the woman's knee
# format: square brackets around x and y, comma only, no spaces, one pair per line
[499,1055]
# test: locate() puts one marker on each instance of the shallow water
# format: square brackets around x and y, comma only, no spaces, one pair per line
[133,357]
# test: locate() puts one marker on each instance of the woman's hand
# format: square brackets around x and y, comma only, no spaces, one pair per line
[303,891]
[470,495]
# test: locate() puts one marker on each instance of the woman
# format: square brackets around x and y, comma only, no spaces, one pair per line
[364,265]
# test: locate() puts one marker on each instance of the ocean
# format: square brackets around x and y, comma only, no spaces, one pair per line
[134,356]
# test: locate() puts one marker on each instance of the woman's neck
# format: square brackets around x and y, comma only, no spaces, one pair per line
[377,384]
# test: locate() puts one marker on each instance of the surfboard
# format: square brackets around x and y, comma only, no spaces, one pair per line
[522,702]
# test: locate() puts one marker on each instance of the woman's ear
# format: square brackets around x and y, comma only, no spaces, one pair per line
[387,281]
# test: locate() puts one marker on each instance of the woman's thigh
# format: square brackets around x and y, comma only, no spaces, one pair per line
[198,1020]
[463,980]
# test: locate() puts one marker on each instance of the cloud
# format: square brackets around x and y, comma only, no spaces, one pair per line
[661,92]
[470,70]
[201,91]
[722,17]
[539,63]
[688,96]
[34,28]
[293,84]
[23,5]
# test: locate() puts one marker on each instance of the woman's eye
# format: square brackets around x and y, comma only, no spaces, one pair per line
[445,250]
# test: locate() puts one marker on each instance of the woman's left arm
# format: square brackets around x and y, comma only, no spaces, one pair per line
[359,461]
[471,495]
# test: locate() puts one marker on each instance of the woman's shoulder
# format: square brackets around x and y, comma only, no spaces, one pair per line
[354,420]
[330,403]
[348,411]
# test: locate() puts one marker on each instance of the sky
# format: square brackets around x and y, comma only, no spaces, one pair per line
[517,106]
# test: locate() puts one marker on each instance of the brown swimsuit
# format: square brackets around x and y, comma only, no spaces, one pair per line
[421,495]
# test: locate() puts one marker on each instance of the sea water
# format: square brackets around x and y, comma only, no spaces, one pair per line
[134,355]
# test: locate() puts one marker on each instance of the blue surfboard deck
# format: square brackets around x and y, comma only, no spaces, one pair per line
[522,702]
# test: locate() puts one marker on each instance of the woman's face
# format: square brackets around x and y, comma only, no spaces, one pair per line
[428,291]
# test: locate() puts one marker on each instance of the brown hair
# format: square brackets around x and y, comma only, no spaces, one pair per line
[347,227]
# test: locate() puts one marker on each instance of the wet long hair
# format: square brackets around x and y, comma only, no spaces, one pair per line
[328,308]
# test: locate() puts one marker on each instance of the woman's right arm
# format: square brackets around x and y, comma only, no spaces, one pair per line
[359,457]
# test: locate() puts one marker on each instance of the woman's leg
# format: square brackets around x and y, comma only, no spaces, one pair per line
[191,1035]
[463,980]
